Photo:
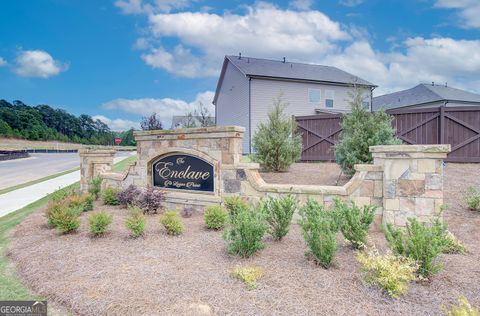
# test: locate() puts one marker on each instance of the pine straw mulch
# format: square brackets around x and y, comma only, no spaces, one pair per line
[189,274]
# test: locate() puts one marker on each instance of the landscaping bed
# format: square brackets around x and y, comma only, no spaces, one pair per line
[190,273]
[323,173]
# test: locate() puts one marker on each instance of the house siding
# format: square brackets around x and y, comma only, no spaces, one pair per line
[232,106]
[296,94]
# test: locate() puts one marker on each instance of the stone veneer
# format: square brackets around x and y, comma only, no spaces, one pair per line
[94,162]
[404,181]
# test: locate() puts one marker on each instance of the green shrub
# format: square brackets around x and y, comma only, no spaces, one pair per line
[135,221]
[83,202]
[419,241]
[95,186]
[389,272]
[66,219]
[472,199]
[453,245]
[276,143]
[245,231]
[109,196]
[354,221]
[215,217]
[462,309]
[248,274]
[99,223]
[319,229]
[172,223]
[362,129]
[235,204]
[279,213]
[62,194]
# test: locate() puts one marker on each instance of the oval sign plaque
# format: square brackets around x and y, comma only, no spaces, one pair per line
[184,172]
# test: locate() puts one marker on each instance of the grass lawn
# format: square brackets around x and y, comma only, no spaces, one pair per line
[122,165]
[10,286]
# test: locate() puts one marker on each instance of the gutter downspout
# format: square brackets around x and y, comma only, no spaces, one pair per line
[249,115]
[371,99]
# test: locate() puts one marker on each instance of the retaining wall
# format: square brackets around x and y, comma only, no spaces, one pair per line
[403,181]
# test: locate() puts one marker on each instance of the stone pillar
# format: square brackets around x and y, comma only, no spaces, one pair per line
[412,181]
[93,162]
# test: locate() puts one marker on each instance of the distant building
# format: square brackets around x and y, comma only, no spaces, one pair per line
[425,96]
[180,121]
[247,86]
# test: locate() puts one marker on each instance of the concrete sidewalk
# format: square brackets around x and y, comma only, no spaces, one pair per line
[17,199]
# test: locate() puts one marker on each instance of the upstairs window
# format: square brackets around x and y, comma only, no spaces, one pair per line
[314,96]
[329,96]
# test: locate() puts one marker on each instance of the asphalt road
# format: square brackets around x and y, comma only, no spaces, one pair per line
[18,171]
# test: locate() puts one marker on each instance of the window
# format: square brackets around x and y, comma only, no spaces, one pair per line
[314,95]
[366,104]
[329,99]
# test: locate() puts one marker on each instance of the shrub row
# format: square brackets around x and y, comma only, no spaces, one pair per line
[149,200]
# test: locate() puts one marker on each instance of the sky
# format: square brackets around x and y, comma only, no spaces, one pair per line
[119,60]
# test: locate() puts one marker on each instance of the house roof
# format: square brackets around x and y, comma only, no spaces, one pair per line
[277,69]
[421,94]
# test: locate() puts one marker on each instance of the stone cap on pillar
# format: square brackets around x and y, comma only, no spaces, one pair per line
[191,133]
[412,151]
[96,152]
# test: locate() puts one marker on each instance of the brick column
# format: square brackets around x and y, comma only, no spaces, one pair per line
[412,181]
[92,163]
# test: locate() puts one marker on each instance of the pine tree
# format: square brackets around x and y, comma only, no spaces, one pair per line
[362,129]
[276,144]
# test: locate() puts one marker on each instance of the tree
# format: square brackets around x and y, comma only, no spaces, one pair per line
[276,143]
[203,116]
[362,129]
[151,122]
[189,121]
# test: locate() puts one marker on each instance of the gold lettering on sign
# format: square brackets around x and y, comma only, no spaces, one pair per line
[164,170]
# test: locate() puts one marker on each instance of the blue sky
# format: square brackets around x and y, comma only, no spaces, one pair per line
[121,59]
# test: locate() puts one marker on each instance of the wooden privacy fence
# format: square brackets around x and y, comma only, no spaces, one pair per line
[457,126]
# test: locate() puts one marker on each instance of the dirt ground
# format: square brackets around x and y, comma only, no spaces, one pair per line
[326,173]
[189,274]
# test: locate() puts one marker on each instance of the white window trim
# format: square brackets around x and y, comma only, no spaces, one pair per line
[319,96]
[332,94]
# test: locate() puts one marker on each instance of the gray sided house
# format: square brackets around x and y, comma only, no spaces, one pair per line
[247,87]
[426,96]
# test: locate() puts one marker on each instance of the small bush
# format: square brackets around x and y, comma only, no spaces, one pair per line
[187,211]
[389,272]
[279,213]
[62,194]
[276,143]
[109,196]
[453,245]
[419,241]
[151,200]
[99,223]
[215,217]
[52,212]
[245,231]
[83,202]
[355,221]
[135,222]
[235,204]
[66,219]
[128,196]
[319,229]
[472,199]
[248,274]
[462,309]
[172,223]
[95,186]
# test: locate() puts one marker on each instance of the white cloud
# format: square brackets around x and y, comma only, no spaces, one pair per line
[264,30]
[3,62]
[302,5]
[468,11]
[117,125]
[37,63]
[141,6]
[165,107]
[350,3]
